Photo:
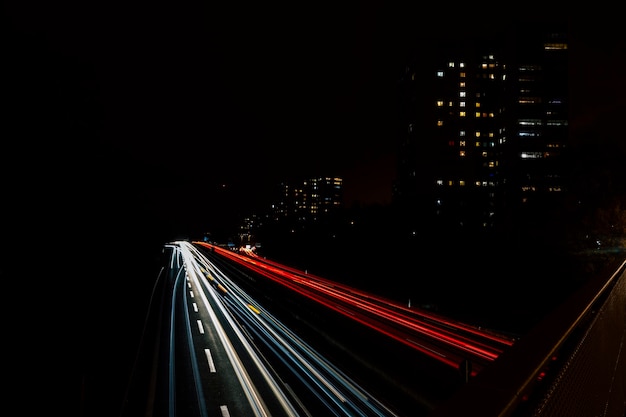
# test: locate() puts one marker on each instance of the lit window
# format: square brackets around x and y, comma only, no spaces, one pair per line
[462,65]
[439,182]
[529,100]
[462,74]
[462,183]
[484,154]
[477,134]
[477,104]
[462,133]
[461,93]
[462,84]
[554,46]
[531,155]
[462,104]
[477,114]
[462,154]
[440,74]
[450,64]
[462,143]
[491,114]
[439,122]
[462,114]
[439,103]
[477,144]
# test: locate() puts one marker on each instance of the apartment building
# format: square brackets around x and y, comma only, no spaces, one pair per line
[485,129]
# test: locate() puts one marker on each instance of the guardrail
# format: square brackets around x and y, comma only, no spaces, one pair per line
[571,364]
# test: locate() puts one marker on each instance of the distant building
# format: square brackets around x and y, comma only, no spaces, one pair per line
[310,201]
[308,208]
[485,127]
[248,229]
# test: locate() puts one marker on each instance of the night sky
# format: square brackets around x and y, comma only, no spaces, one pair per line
[148,110]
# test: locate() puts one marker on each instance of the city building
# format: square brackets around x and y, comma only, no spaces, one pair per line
[485,130]
[309,206]
[312,200]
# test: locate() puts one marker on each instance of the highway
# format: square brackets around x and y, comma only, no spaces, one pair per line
[217,352]
[450,342]
[232,334]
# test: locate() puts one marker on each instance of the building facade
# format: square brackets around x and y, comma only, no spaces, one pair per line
[311,201]
[485,129]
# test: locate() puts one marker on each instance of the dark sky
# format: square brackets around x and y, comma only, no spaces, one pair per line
[198,109]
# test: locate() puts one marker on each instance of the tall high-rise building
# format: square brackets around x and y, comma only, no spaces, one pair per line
[485,124]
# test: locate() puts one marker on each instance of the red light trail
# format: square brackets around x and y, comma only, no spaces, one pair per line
[448,341]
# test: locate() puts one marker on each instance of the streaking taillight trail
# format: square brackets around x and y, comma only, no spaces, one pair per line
[448,341]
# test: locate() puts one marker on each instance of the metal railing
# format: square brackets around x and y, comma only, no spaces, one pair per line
[572,364]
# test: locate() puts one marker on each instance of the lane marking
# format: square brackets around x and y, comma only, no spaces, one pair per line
[210,360]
